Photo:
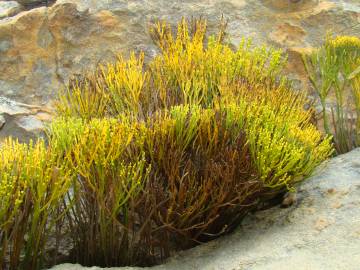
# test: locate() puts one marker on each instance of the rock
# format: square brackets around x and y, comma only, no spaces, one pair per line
[22,121]
[40,52]
[309,235]
[2,121]
[11,107]
[288,34]
[22,128]
[30,123]
[289,199]
[290,5]
[9,8]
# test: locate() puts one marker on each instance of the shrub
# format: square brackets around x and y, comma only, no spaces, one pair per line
[332,70]
[110,184]
[185,72]
[32,186]
[206,168]
[162,156]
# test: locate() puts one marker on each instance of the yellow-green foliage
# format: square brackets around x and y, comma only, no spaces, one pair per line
[86,98]
[164,155]
[110,178]
[125,82]
[186,72]
[215,127]
[334,69]
[285,146]
[32,186]
[345,46]
[197,169]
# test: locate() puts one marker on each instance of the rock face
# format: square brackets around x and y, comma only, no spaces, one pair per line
[321,231]
[9,8]
[42,47]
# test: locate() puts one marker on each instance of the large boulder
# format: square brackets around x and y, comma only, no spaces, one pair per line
[321,231]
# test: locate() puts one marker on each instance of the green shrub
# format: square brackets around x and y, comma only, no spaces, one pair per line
[165,155]
[185,72]
[110,183]
[33,183]
[334,71]
[206,168]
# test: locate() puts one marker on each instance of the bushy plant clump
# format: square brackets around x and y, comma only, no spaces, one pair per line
[33,184]
[162,156]
[190,69]
[334,70]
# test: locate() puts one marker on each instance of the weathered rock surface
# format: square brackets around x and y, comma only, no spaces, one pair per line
[9,8]
[22,121]
[320,232]
[42,47]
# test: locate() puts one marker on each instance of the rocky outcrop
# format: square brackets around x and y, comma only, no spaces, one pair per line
[9,8]
[41,48]
[320,231]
